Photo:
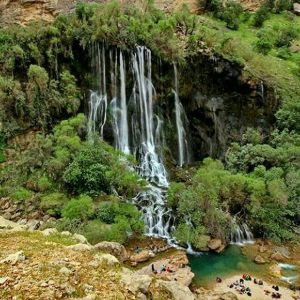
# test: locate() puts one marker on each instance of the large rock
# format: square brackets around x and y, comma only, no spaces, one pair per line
[49,231]
[177,263]
[215,245]
[9,225]
[144,255]
[277,256]
[259,260]
[114,249]
[296,8]
[80,238]
[14,258]
[107,259]
[179,259]
[80,247]
[135,282]
[178,291]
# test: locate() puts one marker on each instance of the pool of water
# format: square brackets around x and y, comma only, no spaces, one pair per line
[207,266]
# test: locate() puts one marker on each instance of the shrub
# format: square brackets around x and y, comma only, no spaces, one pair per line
[87,173]
[53,203]
[231,14]
[261,16]
[284,53]
[106,212]
[252,136]
[285,36]
[43,184]
[22,194]
[263,46]
[80,208]
[95,231]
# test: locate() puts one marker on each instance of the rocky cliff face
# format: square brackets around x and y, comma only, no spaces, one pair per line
[25,11]
[220,103]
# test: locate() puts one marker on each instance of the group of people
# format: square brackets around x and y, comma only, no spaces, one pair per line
[239,285]
[163,268]
[274,295]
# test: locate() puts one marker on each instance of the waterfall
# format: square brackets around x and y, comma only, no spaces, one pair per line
[98,99]
[151,202]
[240,234]
[118,103]
[137,130]
[183,149]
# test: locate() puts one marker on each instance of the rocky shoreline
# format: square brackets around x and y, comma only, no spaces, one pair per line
[154,267]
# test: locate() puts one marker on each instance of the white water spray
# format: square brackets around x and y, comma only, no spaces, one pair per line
[98,99]
[183,148]
[240,234]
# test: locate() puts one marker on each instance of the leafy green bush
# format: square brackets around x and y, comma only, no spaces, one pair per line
[53,203]
[44,184]
[88,172]
[263,46]
[81,208]
[284,53]
[261,16]
[285,36]
[21,194]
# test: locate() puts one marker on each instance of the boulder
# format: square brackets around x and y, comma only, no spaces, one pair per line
[259,260]
[114,249]
[107,259]
[144,255]
[296,8]
[277,256]
[178,291]
[183,276]
[214,244]
[80,238]
[9,225]
[80,247]
[33,224]
[220,249]
[49,231]
[14,258]
[179,259]
[135,282]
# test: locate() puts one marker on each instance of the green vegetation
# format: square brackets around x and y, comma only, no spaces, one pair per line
[44,80]
[57,166]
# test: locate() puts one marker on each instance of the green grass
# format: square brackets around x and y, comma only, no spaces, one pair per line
[239,45]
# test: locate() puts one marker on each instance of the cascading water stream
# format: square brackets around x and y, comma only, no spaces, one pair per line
[151,202]
[98,99]
[143,138]
[118,103]
[240,234]
[183,148]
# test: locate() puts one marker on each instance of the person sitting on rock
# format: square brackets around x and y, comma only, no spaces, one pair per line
[153,269]
[163,268]
[170,270]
